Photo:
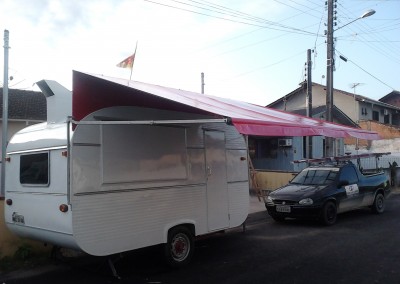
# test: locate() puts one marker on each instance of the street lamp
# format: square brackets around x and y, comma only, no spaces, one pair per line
[366,14]
[329,69]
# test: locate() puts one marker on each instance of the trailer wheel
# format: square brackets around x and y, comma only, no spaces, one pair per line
[179,247]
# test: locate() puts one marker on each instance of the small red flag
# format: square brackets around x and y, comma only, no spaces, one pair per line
[128,62]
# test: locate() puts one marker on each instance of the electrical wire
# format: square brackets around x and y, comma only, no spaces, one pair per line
[303,11]
[368,36]
[269,65]
[268,24]
[389,51]
[373,76]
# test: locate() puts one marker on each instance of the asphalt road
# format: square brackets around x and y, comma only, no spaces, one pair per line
[360,248]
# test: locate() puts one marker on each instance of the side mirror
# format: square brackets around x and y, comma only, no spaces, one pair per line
[342,183]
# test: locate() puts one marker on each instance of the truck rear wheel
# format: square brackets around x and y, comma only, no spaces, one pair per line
[329,213]
[379,204]
[179,247]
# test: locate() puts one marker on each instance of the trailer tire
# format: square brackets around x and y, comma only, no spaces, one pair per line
[179,248]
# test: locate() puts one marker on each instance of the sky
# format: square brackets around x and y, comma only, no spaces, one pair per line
[253,51]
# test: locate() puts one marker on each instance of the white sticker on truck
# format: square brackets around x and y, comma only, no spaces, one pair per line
[351,189]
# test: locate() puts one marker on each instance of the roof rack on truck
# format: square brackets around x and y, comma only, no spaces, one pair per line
[339,159]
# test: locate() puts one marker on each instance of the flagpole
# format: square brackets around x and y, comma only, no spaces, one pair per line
[5,115]
[130,77]
[128,62]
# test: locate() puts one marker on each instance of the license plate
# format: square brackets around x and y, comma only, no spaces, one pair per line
[18,218]
[283,208]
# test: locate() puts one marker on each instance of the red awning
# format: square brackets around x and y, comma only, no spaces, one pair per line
[94,92]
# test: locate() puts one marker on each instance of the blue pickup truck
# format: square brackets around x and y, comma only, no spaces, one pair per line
[323,191]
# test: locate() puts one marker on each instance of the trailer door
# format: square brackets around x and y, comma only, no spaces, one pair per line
[217,188]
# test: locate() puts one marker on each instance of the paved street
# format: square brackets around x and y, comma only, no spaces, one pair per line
[360,248]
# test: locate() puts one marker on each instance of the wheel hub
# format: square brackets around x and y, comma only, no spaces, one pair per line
[180,248]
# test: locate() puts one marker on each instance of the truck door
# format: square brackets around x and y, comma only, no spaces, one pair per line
[217,187]
[352,196]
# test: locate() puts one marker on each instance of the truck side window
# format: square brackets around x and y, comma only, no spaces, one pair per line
[34,169]
[349,174]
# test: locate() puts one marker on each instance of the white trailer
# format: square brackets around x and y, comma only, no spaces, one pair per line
[120,181]
[141,165]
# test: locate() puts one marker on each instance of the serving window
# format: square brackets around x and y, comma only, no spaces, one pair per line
[142,153]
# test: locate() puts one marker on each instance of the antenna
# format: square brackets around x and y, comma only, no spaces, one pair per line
[355,85]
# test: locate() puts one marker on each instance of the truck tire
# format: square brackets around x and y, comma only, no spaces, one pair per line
[379,204]
[329,213]
[179,248]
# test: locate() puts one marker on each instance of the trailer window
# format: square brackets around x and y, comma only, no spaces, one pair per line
[34,169]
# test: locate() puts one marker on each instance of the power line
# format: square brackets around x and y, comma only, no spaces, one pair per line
[373,76]
[390,51]
[268,24]
[269,65]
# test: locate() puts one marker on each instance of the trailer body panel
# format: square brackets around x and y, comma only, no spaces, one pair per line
[126,186]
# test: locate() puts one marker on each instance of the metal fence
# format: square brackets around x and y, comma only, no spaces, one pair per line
[373,163]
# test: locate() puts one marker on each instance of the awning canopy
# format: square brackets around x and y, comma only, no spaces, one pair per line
[94,92]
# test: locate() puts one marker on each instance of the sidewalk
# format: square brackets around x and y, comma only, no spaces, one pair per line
[256,205]
[395,190]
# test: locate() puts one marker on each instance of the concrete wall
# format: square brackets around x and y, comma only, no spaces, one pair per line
[271,180]
[387,132]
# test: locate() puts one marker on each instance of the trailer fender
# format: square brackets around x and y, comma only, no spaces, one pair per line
[191,224]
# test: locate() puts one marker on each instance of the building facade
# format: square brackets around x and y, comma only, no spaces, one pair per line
[355,107]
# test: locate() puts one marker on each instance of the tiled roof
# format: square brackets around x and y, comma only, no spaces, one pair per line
[24,105]
[392,94]
[303,86]
[341,117]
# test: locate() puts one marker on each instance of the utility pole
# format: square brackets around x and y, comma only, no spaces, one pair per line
[309,84]
[330,65]
[4,133]
[356,109]
[309,103]
[202,82]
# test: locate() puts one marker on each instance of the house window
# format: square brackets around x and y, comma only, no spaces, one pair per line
[386,119]
[34,169]
[396,119]
[364,111]
[305,147]
[263,148]
[375,115]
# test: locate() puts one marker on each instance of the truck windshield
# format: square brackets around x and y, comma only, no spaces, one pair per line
[315,177]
